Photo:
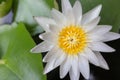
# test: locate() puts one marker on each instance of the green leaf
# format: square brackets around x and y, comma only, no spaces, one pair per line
[17,63]
[26,9]
[5,7]
[110,13]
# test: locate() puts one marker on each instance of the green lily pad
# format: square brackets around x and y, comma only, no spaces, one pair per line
[5,7]
[110,13]
[25,10]
[16,62]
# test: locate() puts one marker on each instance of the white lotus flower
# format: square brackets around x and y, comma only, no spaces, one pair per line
[73,40]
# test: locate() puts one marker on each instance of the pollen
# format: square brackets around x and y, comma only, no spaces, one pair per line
[72,39]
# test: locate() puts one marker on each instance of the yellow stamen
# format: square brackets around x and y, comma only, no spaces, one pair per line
[72,39]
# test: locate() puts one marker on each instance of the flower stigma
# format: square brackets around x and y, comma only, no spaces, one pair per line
[72,39]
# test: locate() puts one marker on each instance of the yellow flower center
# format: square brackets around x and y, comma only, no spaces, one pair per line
[72,39]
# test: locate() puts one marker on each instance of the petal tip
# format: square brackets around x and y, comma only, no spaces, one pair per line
[53,9]
[44,60]
[107,68]
[35,17]
[113,50]
[40,36]
[44,72]
[33,50]
[118,36]
[109,27]
[38,19]
[61,77]
[87,77]
[100,6]
[77,1]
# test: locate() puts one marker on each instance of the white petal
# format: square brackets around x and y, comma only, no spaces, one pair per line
[54,59]
[84,67]
[58,17]
[91,25]
[74,63]
[65,67]
[101,29]
[111,36]
[73,76]
[60,58]
[98,33]
[93,37]
[66,6]
[70,17]
[91,57]
[48,36]
[91,15]
[68,12]
[44,22]
[42,47]
[49,66]
[77,9]
[99,46]
[102,61]
[50,55]
[54,29]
